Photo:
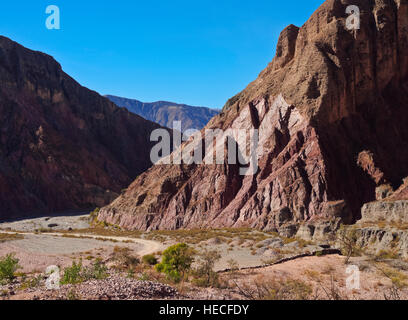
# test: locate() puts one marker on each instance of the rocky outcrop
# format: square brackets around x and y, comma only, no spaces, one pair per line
[401,193]
[324,230]
[379,241]
[165,113]
[391,206]
[383,224]
[389,211]
[63,147]
[331,109]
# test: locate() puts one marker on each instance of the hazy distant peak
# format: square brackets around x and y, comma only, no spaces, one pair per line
[165,112]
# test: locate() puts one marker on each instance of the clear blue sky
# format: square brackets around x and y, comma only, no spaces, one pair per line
[187,51]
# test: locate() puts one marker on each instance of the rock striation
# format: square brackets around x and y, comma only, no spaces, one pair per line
[331,110]
[386,211]
[390,207]
[63,147]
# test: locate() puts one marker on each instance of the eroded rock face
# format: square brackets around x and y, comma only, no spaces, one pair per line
[331,110]
[387,211]
[62,146]
[391,206]
[374,240]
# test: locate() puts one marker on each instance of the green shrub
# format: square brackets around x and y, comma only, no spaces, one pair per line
[288,290]
[31,283]
[72,295]
[233,265]
[398,279]
[77,273]
[387,255]
[205,274]
[176,261]
[9,237]
[124,258]
[200,282]
[347,236]
[318,253]
[144,277]
[94,213]
[130,273]
[8,266]
[72,275]
[150,259]
[97,271]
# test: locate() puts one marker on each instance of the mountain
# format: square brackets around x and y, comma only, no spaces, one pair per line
[332,114]
[63,146]
[164,113]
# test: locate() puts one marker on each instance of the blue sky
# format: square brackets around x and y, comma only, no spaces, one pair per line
[193,52]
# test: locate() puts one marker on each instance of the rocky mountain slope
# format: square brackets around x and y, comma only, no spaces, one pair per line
[62,146]
[331,109]
[164,113]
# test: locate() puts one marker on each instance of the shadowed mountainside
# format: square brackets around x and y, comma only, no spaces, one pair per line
[62,146]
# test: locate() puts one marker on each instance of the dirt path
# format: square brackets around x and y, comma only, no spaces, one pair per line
[143,246]
[38,251]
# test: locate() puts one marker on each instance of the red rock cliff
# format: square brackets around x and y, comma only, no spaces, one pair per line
[332,113]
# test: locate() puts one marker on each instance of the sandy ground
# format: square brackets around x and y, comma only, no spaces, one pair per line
[242,256]
[38,251]
[45,243]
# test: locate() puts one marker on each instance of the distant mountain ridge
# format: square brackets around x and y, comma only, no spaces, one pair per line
[164,112]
